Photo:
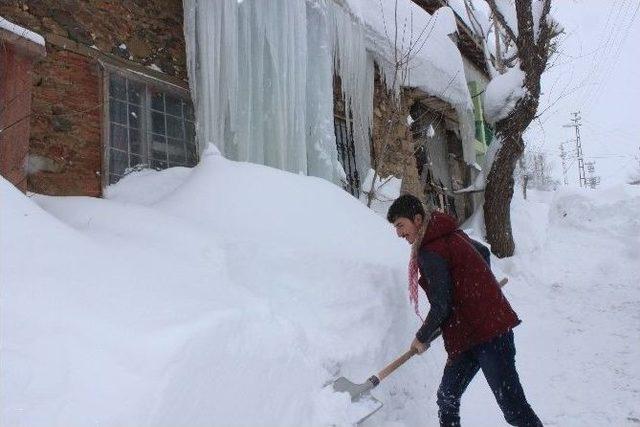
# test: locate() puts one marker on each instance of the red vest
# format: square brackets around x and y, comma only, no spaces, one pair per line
[479,310]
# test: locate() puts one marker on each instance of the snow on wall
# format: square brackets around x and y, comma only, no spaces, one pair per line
[155,307]
[20,31]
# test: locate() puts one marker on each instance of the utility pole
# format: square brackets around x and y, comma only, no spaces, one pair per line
[593,180]
[563,156]
[575,123]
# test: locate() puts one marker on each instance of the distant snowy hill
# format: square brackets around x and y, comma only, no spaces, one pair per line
[230,294]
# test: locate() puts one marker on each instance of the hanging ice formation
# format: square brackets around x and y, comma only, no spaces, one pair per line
[261,75]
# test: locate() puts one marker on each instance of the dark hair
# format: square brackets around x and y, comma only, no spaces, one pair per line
[405,206]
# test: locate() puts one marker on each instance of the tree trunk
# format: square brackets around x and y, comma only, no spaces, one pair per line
[497,202]
[533,55]
[500,182]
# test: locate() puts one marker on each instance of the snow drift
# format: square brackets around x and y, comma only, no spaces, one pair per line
[230,294]
[224,295]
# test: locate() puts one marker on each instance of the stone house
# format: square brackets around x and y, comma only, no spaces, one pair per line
[111,94]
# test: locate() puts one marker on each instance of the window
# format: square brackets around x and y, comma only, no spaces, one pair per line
[347,155]
[148,127]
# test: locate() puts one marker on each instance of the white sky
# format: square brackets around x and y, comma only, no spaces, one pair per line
[597,71]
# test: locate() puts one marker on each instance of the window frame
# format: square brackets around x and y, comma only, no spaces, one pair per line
[344,138]
[150,83]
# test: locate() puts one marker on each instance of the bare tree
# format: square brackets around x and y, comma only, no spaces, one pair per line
[535,171]
[530,52]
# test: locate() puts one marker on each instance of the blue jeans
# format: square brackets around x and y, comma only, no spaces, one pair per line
[496,358]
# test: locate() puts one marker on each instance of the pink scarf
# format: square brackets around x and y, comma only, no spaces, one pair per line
[414,270]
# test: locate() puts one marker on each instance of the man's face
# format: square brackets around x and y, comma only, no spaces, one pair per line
[408,229]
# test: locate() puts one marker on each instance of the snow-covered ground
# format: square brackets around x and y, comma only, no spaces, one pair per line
[230,294]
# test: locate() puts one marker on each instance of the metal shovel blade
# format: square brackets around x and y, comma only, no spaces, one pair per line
[359,393]
[356,391]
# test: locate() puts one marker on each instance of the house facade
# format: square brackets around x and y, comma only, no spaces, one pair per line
[110,94]
[118,89]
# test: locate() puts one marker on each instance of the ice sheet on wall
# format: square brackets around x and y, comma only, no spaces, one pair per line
[261,75]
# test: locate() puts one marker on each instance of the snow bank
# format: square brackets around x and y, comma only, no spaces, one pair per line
[573,281]
[230,294]
[234,286]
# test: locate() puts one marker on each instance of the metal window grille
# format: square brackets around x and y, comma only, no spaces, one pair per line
[148,127]
[347,156]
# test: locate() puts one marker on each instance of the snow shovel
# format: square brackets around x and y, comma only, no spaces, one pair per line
[360,392]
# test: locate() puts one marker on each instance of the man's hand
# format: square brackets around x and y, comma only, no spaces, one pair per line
[418,346]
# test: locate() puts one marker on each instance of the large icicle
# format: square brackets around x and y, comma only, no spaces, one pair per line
[250,78]
[261,75]
[354,65]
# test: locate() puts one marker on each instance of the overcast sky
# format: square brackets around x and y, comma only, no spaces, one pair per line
[596,73]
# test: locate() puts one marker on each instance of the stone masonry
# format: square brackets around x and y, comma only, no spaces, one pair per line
[65,153]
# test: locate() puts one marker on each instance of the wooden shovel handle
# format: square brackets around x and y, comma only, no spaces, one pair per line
[388,370]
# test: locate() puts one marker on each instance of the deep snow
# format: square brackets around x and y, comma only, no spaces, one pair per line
[231,293]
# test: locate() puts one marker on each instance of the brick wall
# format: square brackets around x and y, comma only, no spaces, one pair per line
[16,62]
[65,153]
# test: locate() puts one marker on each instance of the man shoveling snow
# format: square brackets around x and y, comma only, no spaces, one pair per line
[467,305]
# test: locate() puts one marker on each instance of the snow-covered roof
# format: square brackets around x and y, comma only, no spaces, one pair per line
[21,32]
[435,64]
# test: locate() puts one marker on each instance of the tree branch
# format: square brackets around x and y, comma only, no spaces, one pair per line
[501,19]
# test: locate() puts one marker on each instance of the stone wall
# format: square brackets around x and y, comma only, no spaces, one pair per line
[144,31]
[65,154]
[65,150]
[393,148]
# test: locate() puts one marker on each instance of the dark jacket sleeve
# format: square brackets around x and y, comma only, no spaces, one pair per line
[484,251]
[435,270]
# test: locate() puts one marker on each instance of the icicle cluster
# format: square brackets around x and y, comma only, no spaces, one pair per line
[261,76]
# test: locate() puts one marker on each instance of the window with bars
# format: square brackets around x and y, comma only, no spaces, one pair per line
[148,127]
[347,155]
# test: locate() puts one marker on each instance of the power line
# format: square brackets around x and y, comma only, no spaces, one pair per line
[613,49]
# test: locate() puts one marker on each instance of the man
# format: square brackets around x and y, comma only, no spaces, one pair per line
[467,305]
